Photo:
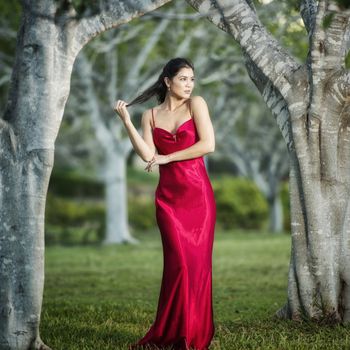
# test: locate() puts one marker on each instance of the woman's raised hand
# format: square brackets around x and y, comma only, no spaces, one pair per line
[120,108]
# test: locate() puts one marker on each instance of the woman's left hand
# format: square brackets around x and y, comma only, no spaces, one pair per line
[157,160]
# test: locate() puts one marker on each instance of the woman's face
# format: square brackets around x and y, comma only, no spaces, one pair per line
[182,83]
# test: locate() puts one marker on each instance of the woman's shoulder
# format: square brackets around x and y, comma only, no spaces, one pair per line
[147,115]
[149,110]
[197,101]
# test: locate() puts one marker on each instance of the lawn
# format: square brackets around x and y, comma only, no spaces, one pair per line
[106,297]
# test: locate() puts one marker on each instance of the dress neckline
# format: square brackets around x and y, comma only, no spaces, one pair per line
[178,128]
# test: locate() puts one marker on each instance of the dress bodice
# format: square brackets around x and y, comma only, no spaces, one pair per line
[167,142]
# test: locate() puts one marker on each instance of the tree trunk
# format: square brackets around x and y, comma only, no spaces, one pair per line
[319,275]
[275,213]
[22,247]
[40,87]
[48,42]
[317,132]
[116,201]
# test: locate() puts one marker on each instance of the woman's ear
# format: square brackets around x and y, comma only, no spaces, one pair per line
[167,82]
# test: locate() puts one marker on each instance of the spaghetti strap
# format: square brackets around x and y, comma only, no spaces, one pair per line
[154,124]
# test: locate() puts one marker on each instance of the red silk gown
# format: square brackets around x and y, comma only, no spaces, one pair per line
[186,215]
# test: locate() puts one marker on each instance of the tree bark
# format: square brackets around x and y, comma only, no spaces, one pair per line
[275,211]
[116,200]
[24,185]
[316,96]
[48,42]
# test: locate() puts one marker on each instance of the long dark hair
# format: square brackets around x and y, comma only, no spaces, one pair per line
[159,88]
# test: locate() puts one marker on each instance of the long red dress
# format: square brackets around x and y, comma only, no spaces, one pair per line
[186,216]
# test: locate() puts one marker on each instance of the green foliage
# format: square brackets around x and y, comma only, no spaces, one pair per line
[83,8]
[72,221]
[75,207]
[142,213]
[137,177]
[239,204]
[67,236]
[344,3]
[71,184]
[347,60]
[294,4]
[78,216]
[282,19]
[327,20]
[72,211]
[10,12]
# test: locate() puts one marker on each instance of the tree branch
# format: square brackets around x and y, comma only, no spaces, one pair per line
[134,71]
[112,13]
[330,40]
[84,70]
[308,9]
[273,99]
[239,20]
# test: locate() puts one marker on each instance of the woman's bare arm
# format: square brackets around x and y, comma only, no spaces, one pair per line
[206,143]
[143,145]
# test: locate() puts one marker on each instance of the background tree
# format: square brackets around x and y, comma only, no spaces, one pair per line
[114,67]
[250,141]
[313,116]
[246,136]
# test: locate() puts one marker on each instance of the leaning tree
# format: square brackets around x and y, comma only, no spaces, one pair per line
[311,104]
[51,34]
[309,101]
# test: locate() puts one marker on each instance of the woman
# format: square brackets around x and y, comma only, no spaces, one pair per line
[176,136]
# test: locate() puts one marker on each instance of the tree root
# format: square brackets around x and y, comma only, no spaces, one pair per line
[39,345]
[283,313]
[330,318]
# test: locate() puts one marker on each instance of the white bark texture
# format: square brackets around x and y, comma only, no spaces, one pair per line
[48,42]
[315,126]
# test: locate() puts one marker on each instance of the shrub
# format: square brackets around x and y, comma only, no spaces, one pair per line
[239,204]
[142,212]
[72,221]
[70,184]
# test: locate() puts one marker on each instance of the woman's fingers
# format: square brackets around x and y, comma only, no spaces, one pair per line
[119,105]
[150,164]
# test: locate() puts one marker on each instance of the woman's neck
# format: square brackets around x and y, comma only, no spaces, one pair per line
[172,104]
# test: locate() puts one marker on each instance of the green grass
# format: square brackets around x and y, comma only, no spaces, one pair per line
[106,297]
